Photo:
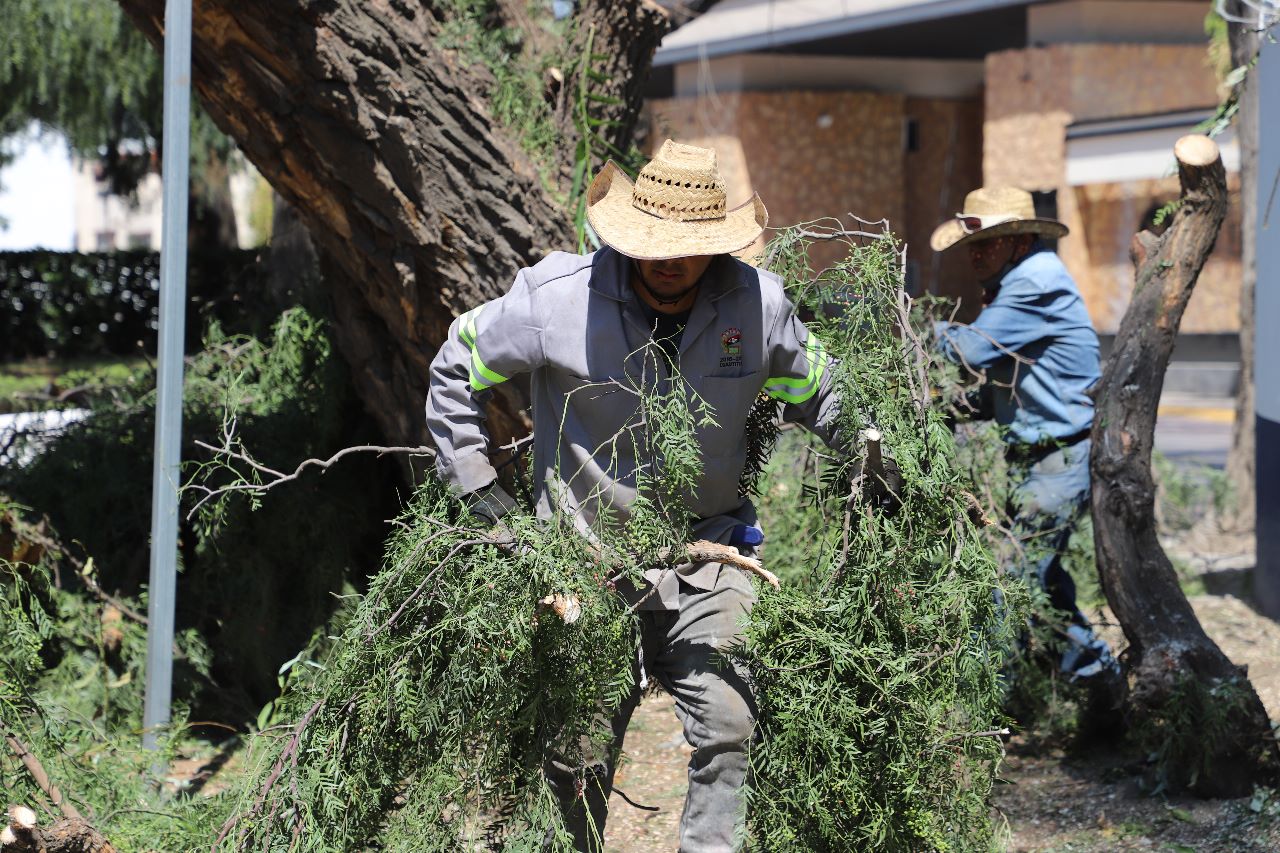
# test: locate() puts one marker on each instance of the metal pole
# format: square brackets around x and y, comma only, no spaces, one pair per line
[1267,347]
[173,297]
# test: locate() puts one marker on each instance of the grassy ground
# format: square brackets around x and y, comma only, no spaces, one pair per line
[36,384]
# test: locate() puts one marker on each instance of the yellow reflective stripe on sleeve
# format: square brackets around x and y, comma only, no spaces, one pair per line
[481,376]
[792,390]
[467,326]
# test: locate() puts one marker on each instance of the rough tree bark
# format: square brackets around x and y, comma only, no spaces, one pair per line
[1241,461]
[1168,650]
[419,204]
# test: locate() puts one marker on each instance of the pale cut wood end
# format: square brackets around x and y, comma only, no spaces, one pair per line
[1196,149]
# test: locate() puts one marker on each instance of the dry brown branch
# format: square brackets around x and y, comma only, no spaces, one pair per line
[703,551]
[38,775]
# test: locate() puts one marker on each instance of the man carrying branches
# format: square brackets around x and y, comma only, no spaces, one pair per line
[1038,353]
[663,298]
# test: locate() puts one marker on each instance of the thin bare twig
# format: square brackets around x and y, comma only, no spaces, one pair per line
[968,735]
[228,451]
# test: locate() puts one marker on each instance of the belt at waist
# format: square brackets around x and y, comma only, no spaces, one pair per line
[1041,449]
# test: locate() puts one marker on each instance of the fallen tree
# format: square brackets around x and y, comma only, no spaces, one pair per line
[1196,709]
[385,134]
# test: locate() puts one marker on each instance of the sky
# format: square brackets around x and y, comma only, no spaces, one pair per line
[37,196]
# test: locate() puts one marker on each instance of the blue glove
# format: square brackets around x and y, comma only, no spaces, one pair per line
[746,534]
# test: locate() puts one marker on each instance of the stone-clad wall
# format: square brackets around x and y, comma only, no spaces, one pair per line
[808,154]
[1109,216]
[1033,94]
[1031,97]
[945,165]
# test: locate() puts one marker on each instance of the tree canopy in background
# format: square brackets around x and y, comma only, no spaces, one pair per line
[82,69]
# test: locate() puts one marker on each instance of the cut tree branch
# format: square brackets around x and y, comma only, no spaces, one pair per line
[71,834]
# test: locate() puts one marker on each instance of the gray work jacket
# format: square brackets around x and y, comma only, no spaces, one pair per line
[576,325]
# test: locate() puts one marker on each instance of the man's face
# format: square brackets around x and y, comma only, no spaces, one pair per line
[670,278]
[988,257]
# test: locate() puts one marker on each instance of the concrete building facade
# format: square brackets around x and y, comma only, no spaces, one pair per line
[896,110]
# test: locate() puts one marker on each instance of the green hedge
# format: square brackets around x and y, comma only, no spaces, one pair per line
[65,304]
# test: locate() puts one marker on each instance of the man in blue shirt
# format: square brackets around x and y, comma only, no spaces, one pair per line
[1036,350]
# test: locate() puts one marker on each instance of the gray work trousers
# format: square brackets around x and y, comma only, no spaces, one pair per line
[714,702]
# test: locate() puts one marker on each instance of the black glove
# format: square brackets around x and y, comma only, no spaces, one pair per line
[876,479]
[883,489]
[490,503]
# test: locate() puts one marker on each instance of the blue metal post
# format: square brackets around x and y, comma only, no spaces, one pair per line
[1267,343]
[173,297]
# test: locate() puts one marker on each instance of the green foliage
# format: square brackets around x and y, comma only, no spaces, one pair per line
[593,146]
[521,101]
[35,384]
[877,671]
[68,304]
[517,96]
[256,580]
[71,675]
[1188,494]
[1186,734]
[82,68]
[424,721]
[428,724]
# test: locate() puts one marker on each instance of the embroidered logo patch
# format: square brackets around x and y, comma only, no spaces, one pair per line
[731,344]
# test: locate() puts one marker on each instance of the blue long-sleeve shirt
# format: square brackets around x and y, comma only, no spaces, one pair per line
[1039,316]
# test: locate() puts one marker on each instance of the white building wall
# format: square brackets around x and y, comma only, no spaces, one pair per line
[105,222]
[748,72]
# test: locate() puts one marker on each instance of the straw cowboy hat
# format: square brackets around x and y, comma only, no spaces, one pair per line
[676,208]
[994,212]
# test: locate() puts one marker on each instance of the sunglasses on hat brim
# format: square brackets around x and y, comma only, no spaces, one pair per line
[973,224]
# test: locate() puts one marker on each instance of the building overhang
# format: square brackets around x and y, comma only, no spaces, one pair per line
[965,28]
[1136,148]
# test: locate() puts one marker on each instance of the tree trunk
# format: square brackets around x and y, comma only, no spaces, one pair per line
[68,835]
[1169,653]
[1242,458]
[419,204]
[211,218]
[292,265]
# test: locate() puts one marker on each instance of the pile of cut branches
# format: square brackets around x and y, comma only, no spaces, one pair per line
[877,664]
[427,725]
[71,675]
[476,655]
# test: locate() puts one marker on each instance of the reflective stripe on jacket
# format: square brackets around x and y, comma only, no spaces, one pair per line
[575,324]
